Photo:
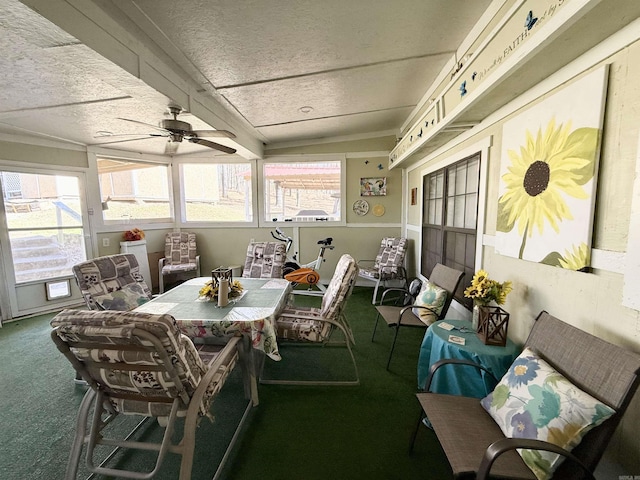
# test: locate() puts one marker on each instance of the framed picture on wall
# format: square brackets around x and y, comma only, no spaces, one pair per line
[548,176]
[373,186]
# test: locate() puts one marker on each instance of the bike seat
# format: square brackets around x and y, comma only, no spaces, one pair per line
[326,241]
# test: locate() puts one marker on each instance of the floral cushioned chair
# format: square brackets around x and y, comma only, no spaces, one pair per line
[310,325]
[180,256]
[387,266]
[139,364]
[112,282]
[562,399]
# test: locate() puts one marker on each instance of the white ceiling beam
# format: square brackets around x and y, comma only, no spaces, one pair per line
[95,23]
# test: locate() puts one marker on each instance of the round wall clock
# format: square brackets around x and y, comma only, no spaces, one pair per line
[378,210]
[361,207]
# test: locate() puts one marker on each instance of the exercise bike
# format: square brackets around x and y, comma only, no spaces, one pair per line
[308,272]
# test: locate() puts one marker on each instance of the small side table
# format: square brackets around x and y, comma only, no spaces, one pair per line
[462,380]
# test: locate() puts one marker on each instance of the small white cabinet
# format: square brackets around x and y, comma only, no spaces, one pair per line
[139,249]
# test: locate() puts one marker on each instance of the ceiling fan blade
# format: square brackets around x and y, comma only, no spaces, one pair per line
[214,133]
[116,135]
[122,140]
[213,145]
[145,124]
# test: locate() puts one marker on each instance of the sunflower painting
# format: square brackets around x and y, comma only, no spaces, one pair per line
[548,177]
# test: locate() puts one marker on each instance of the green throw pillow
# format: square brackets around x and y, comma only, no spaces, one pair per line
[432,296]
[534,401]
[127,298]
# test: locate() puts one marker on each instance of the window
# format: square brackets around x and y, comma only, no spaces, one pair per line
[133,190]
[450,217]
[302,191]
[219,192]
[44,224]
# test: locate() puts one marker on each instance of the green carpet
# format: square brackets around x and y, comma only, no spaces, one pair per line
[346,432]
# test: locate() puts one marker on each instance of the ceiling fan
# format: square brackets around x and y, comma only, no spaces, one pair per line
[176,131]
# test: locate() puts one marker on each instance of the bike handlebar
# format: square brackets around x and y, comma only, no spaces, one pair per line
[280,235]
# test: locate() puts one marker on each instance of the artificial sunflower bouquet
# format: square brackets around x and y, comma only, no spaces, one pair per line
[483,290]
[133,235]
[209,291]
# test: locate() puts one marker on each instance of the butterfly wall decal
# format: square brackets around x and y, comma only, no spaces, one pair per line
[530,21]
[463,88]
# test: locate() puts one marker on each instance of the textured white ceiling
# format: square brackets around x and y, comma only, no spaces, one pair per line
[362,65]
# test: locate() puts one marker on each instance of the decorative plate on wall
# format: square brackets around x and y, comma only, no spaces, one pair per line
[361,207]
[378,210]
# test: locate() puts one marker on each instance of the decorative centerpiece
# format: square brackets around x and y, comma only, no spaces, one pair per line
[491,322]
[221,288]
[133,235]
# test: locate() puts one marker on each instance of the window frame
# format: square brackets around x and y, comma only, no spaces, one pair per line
[109,224]
[263,221]
[180,193]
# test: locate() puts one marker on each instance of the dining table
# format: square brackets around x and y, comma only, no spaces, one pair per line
[253,315]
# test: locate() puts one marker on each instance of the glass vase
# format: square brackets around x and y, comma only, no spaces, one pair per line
[475,317]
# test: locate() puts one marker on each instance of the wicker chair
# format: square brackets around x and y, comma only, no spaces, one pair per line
[139,364]
[476,446]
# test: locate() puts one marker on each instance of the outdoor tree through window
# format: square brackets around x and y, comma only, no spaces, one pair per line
[216,192]
[302,191]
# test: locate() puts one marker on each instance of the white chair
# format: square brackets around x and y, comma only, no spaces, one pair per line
[112,282]
[180,256]
[387,266]
[139,364]
[265,260]
[315,326]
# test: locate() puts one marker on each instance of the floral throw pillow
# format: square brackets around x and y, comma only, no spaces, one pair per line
[432,296]
[534,401]
[127,298]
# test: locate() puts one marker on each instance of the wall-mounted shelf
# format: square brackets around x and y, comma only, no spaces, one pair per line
[533,40]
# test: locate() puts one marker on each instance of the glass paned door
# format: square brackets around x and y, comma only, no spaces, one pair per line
[44,224]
